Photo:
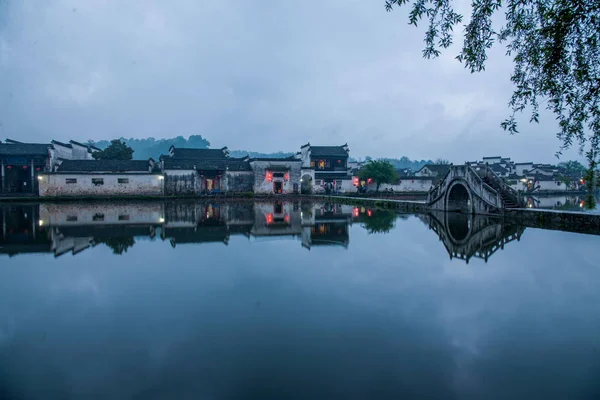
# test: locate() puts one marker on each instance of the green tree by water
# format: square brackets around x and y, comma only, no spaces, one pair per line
[117,150]
[573,167]
[555,49]
[380,171]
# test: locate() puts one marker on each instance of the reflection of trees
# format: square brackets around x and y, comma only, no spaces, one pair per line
[380,221]
[119,245]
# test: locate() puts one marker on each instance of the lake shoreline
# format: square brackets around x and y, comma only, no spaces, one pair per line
[571,221]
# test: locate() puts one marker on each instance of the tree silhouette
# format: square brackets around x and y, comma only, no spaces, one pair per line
[119,245]
[116,151]
[380,171]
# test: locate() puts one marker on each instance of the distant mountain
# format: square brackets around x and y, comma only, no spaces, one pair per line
[151,147]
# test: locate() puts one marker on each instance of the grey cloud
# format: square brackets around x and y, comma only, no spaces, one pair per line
[250,74]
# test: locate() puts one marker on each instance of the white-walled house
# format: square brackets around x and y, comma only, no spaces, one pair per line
[198,171]
[537,184]
[433,170]
[276,175]
[325,166]
[521,168]
[89,178]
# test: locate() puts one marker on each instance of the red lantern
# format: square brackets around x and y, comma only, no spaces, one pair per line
[356,211]
[370,180]
[269,176]
[286,176]
[38,169]
[287,218]
[24,166]
[369,213]
[9,167]
[269,219]
[355,181]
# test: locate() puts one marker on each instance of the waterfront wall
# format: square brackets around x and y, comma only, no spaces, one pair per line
[183,182]
[406,185]
[81,185]
[239,181]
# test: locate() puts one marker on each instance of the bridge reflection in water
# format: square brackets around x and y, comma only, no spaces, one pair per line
[466,236]
[73,227]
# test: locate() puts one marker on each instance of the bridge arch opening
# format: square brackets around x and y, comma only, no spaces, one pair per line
[306,184]
[459,227]
[459,199]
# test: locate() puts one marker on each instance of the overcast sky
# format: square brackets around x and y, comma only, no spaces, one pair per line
[262,75]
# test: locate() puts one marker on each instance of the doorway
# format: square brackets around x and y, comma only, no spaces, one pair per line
[278,187]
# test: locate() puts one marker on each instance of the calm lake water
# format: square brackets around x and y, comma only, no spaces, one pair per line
[292,300]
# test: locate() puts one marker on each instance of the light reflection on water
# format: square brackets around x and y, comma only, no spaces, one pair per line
[292,300]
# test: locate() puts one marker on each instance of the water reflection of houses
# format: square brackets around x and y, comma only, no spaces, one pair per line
[326,225]
[75,227]
[205,222]
[62,228]
[71,228]
[467,236]
[21,231]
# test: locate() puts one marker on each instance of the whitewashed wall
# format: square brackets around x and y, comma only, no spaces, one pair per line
[305,156]
[545,186]
[182,182]
[552,186]
[405,185]
[520,169]
[54,185]
[81,152]
[347,186]
[238,181]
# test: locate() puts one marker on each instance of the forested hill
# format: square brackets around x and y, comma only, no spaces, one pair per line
[143,149]
[151,147]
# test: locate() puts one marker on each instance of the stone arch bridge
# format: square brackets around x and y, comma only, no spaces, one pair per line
[466,190]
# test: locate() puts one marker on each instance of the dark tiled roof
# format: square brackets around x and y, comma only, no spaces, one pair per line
[233,164]
[24,149]
[89,146]
[104,166]
[286,159]
[498,168]
[489,158]
[335,151]
[198,153]
[441,169]
[61,144]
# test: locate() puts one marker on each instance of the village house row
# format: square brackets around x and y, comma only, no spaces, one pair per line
[61,169]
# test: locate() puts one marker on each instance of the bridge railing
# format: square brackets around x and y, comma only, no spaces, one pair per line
[487,192]
[506,190]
